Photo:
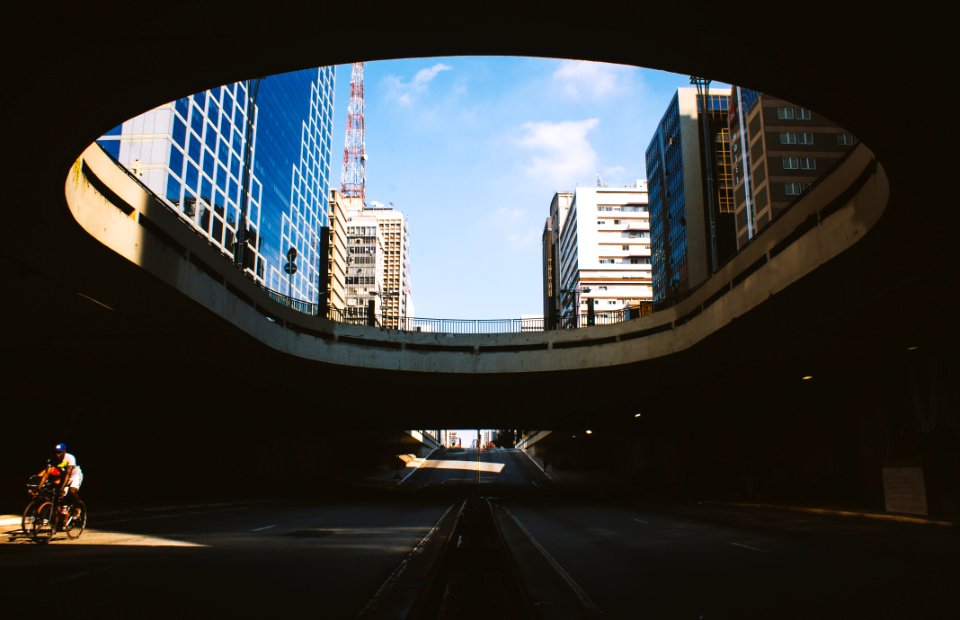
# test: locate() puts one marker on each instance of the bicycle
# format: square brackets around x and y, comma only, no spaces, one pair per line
[37,497]
[47,516]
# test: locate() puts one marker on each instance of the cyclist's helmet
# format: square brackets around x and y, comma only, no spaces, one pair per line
[60,447]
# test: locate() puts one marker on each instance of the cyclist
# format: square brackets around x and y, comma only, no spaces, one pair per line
[65,472]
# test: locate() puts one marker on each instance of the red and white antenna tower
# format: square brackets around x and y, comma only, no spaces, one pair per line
[353,179]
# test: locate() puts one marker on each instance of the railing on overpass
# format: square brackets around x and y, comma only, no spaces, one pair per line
[358,316]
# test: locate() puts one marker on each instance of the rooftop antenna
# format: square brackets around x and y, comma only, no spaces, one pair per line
[353,179]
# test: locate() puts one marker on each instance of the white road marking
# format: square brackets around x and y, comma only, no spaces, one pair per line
[642,521]
[98,569]
[585,601]
[735,544]
[170,516]
[265,527]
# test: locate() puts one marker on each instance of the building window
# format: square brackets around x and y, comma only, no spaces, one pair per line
[626,247]
[791,163]
[845,139]
[803,114]
[606,261]
[616,221]
[806,138]
[785,113]
[602,288]
[788,137]
[795,189]
[808,163]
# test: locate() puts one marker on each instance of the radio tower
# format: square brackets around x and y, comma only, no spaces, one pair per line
[353,179]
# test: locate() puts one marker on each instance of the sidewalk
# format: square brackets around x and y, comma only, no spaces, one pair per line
[845,511]
[587,479]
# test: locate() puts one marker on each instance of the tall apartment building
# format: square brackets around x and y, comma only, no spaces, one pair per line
[395,290]
[559,207]
[779,150]
[191,153]
[603,251]
[365,261]
[550,299]
[377,263]
[334,250]
[690,239]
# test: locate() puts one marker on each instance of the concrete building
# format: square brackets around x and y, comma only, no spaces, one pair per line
[603,256]
[191,152]
[364,275]
[778,150]
[377,267]
[691,239]
[559,207]
[334,251]
[548,249]
[395,290]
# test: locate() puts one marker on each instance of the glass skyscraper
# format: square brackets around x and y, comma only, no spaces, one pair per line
[679,211]
[190,152]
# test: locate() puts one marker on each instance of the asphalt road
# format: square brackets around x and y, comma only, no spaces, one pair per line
[631,559]
[253,561]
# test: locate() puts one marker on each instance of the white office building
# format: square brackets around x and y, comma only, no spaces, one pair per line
[604,252]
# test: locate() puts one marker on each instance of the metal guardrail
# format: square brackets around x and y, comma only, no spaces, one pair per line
[451,326]
[409,324]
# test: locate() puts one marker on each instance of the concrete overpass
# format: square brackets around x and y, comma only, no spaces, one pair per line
[117,352]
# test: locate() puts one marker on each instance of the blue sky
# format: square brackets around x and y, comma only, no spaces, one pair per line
[472,149]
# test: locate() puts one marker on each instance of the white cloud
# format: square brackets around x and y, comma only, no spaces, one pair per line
[593,80]
[406,93]
[562,152]
[528,239]
[505,215]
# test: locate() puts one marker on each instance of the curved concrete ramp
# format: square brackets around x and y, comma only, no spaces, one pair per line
[119,212]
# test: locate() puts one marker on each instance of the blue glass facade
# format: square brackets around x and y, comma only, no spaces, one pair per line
[667,205]
[748,98]
[679,210]
[191,153]
[294,146]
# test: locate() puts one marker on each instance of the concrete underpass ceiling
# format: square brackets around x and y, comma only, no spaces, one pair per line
[81,70]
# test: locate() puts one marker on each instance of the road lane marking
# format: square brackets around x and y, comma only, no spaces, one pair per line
[587,604]
[98,569]
[265,527]
[170,516]
[735,544]
[642,521]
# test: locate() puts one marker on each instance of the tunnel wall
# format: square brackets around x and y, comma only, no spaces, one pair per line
[823,443]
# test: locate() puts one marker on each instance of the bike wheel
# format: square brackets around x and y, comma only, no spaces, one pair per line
[44,523]
[77,520]
[26,523]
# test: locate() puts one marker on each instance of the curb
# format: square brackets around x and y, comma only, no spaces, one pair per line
[880,516]
[534,461]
